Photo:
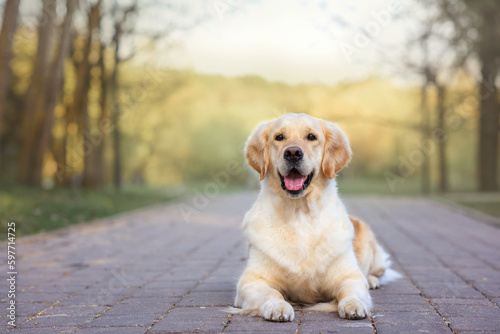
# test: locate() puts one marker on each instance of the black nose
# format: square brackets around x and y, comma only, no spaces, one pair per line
[293,154]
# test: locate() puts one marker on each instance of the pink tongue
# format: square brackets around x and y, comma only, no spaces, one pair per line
[294,182]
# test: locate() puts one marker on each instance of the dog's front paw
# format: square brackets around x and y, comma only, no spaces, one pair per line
[353,308]
[277,310]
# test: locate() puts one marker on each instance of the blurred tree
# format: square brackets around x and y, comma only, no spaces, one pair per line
[479,21]
[33,112]
[9,25]
[80,100]
[53,91]
[488,51]
[103,123]
[123,25]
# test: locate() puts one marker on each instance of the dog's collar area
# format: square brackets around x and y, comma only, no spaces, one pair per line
[295,193]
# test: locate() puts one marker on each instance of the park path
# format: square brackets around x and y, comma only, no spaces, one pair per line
[150,271]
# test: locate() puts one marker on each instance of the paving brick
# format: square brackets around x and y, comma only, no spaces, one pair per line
[460,301]
[378,308]
[468,311]
[112,330]
[107,300]
[398,299]
[191,318]
[490,290]
[209,298]
[397,288]
[133,320]
[57,321]
[160,292]
[248,324]
[75,310]
[215,287]
[407,318]
[156,306]
[352,327]
[412,328]
[452,292]
[37,297]
[477,324]
[47,330]
[26,309]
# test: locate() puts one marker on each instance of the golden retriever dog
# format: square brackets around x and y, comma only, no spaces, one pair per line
[303,246]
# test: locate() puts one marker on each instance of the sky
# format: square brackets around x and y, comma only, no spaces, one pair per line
[293,41]
[298,41]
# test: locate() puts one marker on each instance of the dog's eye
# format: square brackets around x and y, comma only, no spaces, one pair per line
[279,137]
[311,137]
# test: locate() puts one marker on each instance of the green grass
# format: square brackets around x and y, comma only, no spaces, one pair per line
[36,210]
[378,186]
[487,203]
[489,208]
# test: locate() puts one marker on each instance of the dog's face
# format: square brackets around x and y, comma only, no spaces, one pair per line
[297,152]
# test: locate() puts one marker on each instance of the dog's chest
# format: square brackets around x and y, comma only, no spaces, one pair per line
[303,247]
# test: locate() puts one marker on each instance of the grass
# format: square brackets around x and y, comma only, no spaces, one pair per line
[490,208]
[35,210]
[488,203]
[378,186]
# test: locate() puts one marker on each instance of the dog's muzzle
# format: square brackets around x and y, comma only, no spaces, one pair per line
[294,183]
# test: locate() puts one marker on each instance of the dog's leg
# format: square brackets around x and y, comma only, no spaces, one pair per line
[350,287]
[256,296]
[353,296]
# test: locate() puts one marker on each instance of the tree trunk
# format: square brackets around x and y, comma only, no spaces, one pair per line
[89,149]
[9,25]
[103,119]
[34,100]
[425,129]
[53,91]
[489,104]
[441,127]
[117,167]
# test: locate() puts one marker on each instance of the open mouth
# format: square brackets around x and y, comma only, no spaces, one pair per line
[295,182]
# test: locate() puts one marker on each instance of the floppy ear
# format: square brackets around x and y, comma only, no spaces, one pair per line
[257,150]
[337,151]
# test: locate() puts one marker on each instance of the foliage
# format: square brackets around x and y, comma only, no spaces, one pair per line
[36,210]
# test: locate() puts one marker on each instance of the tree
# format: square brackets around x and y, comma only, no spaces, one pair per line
[53,91]
[9,25]
[488,51]
[81,100]
[35,96]
[482,18]
[122,27]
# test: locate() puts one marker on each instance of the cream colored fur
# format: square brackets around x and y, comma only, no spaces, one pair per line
[305,249]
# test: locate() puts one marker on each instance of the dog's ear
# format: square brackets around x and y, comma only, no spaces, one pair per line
[257,150]
[337,151]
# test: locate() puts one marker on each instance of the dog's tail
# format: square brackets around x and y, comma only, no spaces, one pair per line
[247,311]
[324,307]
[389,275]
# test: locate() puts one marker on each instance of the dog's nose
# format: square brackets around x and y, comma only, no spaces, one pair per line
[293,154]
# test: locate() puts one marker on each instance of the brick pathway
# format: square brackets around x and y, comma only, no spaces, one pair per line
[151,272]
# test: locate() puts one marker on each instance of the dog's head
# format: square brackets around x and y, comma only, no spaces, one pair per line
[297,152]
